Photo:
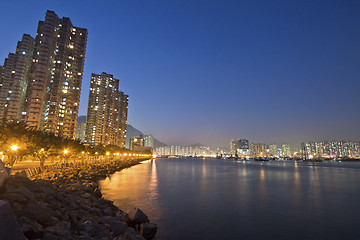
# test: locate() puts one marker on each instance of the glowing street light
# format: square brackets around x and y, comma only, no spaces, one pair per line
[14,147]
[66,151]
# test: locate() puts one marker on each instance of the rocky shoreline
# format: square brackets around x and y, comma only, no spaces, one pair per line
[67,204]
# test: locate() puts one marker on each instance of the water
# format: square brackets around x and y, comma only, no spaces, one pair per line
[229,199]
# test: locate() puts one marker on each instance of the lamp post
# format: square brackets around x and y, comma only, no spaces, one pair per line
[13,148]
[65,152]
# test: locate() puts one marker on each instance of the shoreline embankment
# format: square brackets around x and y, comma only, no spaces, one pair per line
[65,202]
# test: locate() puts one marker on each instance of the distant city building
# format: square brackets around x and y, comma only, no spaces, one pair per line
[14,78]
[285,150]
[81,128]
[53,92]
[107,112]
[273,150]
[137,142]
[187,151]
[259,150]
[243,147]
[331,149]
[233,147]
[149,141]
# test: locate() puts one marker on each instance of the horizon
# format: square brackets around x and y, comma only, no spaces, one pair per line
[210,72]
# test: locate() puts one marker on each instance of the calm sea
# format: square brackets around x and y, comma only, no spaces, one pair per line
[230,199]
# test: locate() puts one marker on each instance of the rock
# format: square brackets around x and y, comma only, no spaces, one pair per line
[107,211]
[97,193]
[4,174]
[55,229]
[22,191]
[137,216]
[50,236]
[106,219]
[130,234]
[87,226]
[124,217]
[9,228]
[31,228]
[40,213]
[86,195]
[118,228]
[148,230]
[17,197]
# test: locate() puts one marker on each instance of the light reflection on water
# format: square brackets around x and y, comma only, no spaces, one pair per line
[224,199]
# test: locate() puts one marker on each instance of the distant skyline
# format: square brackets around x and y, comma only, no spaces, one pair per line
[211,71]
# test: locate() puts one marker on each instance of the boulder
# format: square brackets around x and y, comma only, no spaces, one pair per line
[87,226]
[31,228]
[40,213]
[4,174]
[137,216]
[21,191]
[148,230]
[107,211]
[118,228]
[9,228]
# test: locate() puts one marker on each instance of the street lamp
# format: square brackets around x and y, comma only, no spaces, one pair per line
[14,147]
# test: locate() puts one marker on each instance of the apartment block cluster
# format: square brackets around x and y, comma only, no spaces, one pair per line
[331,149]
[40,84]
[187,151]
[243,148]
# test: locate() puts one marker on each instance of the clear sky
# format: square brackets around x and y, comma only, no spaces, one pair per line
[210,70]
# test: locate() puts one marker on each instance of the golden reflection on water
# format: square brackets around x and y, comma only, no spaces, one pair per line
[128,187]
[154,193]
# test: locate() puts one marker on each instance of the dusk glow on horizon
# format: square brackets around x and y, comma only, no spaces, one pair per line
[210,71]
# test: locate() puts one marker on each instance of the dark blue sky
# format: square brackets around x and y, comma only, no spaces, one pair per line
[208,71]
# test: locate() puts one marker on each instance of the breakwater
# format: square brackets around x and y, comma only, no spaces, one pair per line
[66,203]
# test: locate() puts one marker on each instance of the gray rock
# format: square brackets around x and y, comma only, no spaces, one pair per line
[124,217]
[148,230]
[97,193]
[107,211]
[4,174]
[106,219]
[14,197]
[88,226]
[55,229]
[9,228]
[40,213]
[31,228]
[22,191]
[137,216]
[118,228]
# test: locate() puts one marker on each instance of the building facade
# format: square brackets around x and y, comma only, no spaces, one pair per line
[107,112]
[149,141]
[81,128]
[331,149]
[53,92]
[14,79]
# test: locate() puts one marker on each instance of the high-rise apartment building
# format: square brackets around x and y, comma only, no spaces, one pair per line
[14,79]
[122,120]
[53,92]
[259,150]
[285,150]
[233,147]
[149,141]
[107,112]
[81,128]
